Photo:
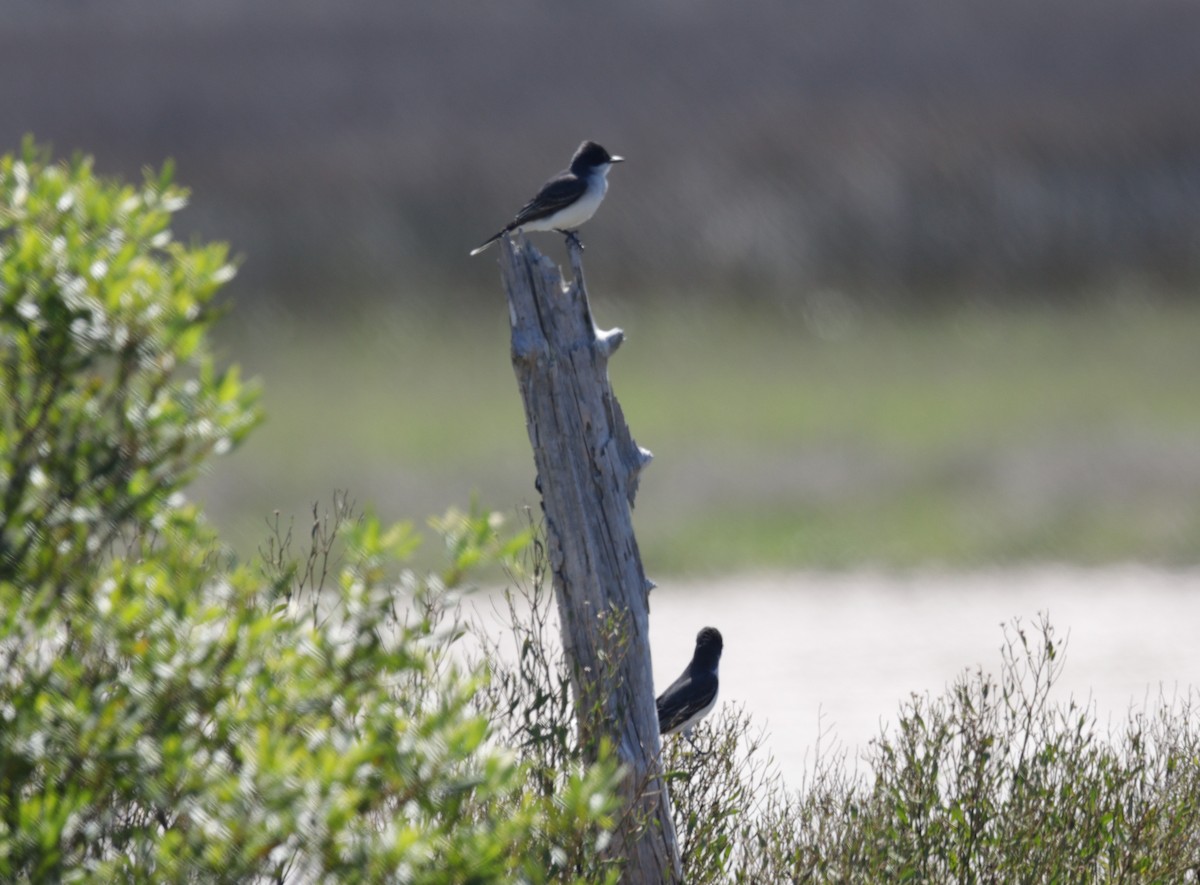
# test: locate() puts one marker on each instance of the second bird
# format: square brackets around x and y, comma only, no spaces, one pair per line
[690,697]
[568,199]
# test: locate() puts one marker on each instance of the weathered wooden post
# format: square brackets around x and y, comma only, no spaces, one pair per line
[588,467]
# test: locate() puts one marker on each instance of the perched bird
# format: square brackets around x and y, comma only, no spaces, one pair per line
[692,695]
[568,199]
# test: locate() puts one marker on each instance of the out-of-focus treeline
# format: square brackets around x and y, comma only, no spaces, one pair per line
[894,147]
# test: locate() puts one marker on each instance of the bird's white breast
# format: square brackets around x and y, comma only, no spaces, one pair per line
[578,212]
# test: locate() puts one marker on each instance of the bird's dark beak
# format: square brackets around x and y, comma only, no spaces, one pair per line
[616,159]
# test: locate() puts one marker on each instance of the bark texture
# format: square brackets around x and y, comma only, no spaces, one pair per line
[588,467]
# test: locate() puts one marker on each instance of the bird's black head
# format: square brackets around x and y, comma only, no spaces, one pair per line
[708,647]
[591,156]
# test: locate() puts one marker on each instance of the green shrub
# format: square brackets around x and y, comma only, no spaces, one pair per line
[112,400]
[991,782]
[168,715]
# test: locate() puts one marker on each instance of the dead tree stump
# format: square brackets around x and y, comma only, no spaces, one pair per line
[588,467]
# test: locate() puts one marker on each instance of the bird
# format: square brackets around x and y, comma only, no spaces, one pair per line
[568,199]
[690,697]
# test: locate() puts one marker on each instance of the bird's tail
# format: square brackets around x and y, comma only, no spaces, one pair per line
[488,242]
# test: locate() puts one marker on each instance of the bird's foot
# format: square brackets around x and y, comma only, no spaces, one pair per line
[572,238]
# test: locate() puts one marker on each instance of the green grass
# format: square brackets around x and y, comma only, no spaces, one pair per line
[981,437]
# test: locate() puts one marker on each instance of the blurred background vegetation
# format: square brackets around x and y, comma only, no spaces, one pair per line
[904,282]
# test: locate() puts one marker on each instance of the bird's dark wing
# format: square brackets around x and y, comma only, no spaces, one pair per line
[557,193]
[686,696]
